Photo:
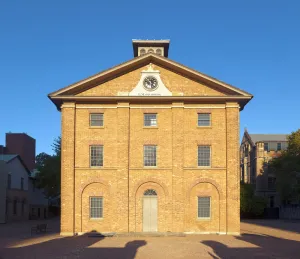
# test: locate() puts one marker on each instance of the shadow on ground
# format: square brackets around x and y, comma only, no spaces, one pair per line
[72,247]
[285,225]
[264,247]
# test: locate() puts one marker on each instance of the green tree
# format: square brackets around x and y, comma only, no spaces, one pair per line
[49,170]
[287,169]
[251,205]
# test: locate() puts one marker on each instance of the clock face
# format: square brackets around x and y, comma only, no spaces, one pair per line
[150,83]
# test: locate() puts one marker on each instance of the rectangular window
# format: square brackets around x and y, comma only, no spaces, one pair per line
[150,120]
[96,119]
[203,155]
[271,183]
[15,207]
[149,155]
[23,207]
[96,207]
[203,119]
[278,146]
[96,156]
[204,207]
[9,181]
[22,183]
[266,146]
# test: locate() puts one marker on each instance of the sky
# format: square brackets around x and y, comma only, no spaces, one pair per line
[47,45]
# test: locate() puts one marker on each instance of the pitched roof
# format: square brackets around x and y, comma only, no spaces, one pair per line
[70,91]
[268,137]
[7,158]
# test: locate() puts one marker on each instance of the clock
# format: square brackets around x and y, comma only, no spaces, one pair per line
[150,83]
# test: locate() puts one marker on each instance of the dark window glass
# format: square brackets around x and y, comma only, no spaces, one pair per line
[203,119]
[266,146]
[96,119]
[203,207]
[203,155]
[96,156]
[96,207]
[278,146]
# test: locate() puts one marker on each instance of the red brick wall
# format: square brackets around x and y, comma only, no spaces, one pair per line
[23,145]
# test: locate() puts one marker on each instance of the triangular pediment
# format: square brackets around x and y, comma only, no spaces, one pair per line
[173,78]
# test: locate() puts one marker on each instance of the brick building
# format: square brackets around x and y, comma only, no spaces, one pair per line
[150,145]
[21,144]
[256,151]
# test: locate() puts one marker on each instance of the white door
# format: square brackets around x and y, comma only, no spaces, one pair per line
[150,213]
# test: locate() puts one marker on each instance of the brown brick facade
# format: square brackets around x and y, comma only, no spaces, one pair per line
[177,179]
[123,179]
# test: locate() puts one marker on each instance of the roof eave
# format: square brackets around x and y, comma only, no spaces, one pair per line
[58,100]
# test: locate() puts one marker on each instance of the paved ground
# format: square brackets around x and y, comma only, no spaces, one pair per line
[259,239]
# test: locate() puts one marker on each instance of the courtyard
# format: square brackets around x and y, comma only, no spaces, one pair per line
[259,239]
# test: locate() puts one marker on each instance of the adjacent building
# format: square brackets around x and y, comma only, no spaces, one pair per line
[38,207]
[256,151]
[15,188]
[150,145]
[20,199]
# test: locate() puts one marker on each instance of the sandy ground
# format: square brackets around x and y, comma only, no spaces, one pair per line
[259,239]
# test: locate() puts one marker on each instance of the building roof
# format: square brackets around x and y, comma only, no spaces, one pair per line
[268,137]
[10,157]
[7,158]
[70,92]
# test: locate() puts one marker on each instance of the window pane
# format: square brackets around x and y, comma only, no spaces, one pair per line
[278,146]
[96,155]
[96,119]
[150,120]
[203,207]
[266,146]
[204,119]
[149,155]
[96,207]
[203,155]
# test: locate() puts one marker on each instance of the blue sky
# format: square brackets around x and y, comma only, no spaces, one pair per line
[46,45]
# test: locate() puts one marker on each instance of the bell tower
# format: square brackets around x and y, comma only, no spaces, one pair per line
[158,47]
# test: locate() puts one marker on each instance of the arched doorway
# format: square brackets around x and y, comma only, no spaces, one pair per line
[150,211]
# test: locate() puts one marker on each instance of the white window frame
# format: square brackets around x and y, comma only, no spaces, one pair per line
[101,207]
[144,155]
[268,147]
[206,113]
[203,218]
[150,126]
[206,166]
[279,143]
[97,126]
[91,155]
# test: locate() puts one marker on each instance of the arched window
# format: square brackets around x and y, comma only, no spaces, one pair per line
[150,51]
[142,52]
[158,52]
[150,192]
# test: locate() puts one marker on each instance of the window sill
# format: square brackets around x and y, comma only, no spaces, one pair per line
[150,127]
[204,168]
[150,167]
[97,167]
[204,127]
[203,219]
[96,127]
[95,219]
